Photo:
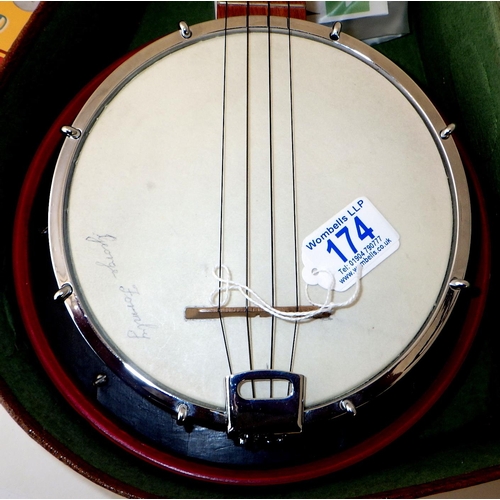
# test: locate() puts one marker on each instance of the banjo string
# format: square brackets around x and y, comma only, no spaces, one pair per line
[294,192]
[271,194]
[247,191]
[223,152]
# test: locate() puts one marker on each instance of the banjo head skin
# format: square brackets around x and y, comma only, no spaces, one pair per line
[226,155]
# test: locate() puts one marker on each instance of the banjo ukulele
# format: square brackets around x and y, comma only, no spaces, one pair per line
[258,227]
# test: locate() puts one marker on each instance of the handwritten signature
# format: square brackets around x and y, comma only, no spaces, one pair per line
[142,329]
[104,240]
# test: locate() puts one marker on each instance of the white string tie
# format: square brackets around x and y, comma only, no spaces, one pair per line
[221,295]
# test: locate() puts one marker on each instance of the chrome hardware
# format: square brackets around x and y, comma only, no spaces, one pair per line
[101,379]
[64,292]
[71,132]
[446,132]
[336,29]
[184,29]
[264,418]
[182,412]
[456,284]
[348,406]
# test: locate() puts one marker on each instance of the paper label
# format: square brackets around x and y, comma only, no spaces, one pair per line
[358,234]
[328,12]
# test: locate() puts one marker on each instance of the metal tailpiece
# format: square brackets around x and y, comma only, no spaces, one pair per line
[264,419]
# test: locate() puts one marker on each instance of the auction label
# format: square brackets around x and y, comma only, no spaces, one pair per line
[358,234]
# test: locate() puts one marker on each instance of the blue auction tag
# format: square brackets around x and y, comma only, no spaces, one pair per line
[358,234]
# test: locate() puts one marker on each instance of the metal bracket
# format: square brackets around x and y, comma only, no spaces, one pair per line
[71,132]
[185,30]
[336,30]
[457,284]
[446,132]
[182,412]
[64,292]
[100,380]
[349,407]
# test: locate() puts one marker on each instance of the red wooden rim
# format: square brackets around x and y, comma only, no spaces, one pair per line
[164,460]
